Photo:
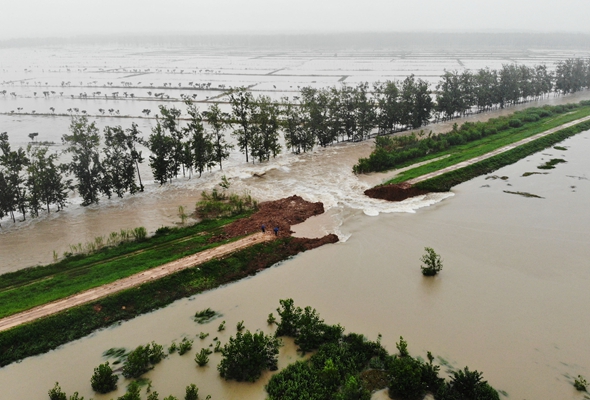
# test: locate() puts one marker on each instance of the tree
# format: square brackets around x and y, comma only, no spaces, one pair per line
[142,359]
[133,392]
[388,107]
[416,102]
[247,355]
[265,129]
[170,124]
[45,184]
[119,163]
[297,138]
[432,262]
[315,111]
[200,145]
[83,144]
[103,380]
[218,121]
[14,163]
[364,115]
[133,138]
[161,161]
[241,102]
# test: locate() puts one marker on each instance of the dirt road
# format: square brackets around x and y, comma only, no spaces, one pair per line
[495,152]
[131,281]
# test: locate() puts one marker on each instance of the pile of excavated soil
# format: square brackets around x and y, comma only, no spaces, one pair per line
[278,213]
[398,192]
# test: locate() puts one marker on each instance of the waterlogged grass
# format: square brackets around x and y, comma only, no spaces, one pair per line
[445,182]
[48,333]
[485,145]
[25,289]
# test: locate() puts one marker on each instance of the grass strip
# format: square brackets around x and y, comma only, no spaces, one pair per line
[470,150]
[48,333]
[40,285]
[443,183]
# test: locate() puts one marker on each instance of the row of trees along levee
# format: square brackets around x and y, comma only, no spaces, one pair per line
[32,180]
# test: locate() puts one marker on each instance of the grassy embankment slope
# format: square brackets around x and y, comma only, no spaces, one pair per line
[449,155]
[27,288]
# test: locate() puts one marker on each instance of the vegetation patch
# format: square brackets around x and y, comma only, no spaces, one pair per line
[560,148]
[48,333]
[551,163]
[206,316]
[524,194]
[533,173]
[443,183]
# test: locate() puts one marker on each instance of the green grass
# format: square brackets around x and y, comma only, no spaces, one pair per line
[445,182]
[485,145]
[25,289]
[48,333]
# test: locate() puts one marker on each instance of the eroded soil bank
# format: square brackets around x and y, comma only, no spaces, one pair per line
[397,192]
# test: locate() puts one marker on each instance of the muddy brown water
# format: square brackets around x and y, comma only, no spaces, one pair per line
[511,300]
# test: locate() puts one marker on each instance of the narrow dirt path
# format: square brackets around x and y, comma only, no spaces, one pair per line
[495,152]
[131,281]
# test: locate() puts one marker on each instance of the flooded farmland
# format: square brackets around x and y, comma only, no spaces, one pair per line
[509,302]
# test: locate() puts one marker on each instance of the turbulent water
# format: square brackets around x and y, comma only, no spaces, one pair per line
[510,300]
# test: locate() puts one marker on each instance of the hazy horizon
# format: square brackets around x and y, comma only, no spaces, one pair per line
[70,18]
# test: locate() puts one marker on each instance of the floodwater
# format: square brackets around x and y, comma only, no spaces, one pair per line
[510,300]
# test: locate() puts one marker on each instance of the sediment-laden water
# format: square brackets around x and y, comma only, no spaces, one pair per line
[510,300]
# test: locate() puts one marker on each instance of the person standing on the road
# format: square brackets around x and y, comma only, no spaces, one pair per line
[263,228]
[276,229]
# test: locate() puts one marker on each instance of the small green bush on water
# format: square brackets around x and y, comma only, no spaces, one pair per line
[142,359]
[185,346]
[217,204]
[192,392]
[56,393]
[240,326]
[432,262]
[551,163]
[247,355]
[581,384]
[271,319]
[205,316]
[133,392]
[203,335]
[202,357]
[221,327]
[104,380]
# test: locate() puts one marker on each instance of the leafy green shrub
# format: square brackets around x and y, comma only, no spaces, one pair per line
[202,357]
[580,384]
[432,262]
[406,379]
[139,233]
[240,326]
[103,380]
[466,384]
[192,392]
[221,327]
[353,390]
[247,355]
[142,359]
[515,123]
[185,346]
[205,316]
[56,393]
[133,392]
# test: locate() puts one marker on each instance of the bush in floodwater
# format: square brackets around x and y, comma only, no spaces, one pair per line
[202,357]
[185,346]
[133,392]
[432,262]
[142,359]
[103,380]
[192,392]
[202,317]
[406,379]
[466,384]
[56,393]
[581,384]
[247,355]
[139,233]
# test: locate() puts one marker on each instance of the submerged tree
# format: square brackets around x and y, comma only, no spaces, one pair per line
[265,129]
[83,144]
[119,163]
[218,121]
[242,105]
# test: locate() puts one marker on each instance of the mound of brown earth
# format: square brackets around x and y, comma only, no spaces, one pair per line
[398,192]
[278,213]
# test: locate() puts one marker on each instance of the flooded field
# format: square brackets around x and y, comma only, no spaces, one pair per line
[510,300]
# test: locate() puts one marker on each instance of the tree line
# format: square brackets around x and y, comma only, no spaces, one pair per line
[31,179]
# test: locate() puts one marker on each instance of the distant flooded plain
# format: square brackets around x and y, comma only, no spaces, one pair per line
[511,300]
